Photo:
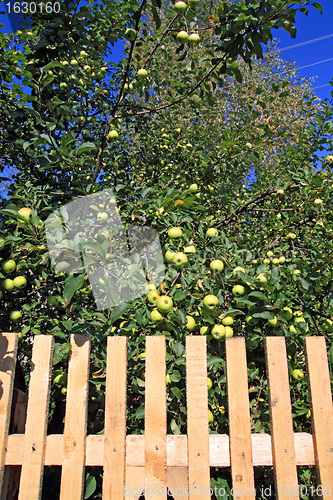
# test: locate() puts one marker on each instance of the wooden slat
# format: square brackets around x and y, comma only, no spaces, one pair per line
[135,482]
[239,419]
[284,459]
[176,450]
[321,411]
[197,417]
[155,416]
[37,414]
[115,419]
[177,479]
[72,477]
[8,351]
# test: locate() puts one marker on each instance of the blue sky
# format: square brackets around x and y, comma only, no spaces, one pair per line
[308,28]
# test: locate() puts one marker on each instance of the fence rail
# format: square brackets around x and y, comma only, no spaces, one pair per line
[155,460]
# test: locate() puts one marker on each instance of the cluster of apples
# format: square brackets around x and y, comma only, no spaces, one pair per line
[9,285]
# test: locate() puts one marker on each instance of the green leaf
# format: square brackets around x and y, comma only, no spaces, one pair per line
[317,6]
[86,146]
[213,360]
[90,486]
[117,311]
[174,427]
[60,352]
[72,285]
[177,392]
[140,412]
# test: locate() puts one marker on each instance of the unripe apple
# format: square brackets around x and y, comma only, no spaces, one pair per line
[190,323]
[8,266]
[274,322]
[210,302]
[276,261]
[227,321]
[152,296]
[209,383]
[218,332]
[262,278]
[328,325]
[266,261]
[128,88]
[193,187]
[103,236]
[210,417]
[142,74]
[238,290]
[282,260]
[212,231]
[204,330]
[269,253]
[250,320]
[228,332]
[102,216]
[175,232]
[296,271]
[74,62]
[286,313]
[182,37]
[298,374]
[292,329]
[113,135]
[302,320]
[20,282]
[180,259]
[25,213]
[83,54]
[168,379]
[278,216]
[318,201]
[130,34]
[291,236]
[180,7]
[164,303]
[8,285]
[169,256]
[190,249]
[216,265]
[194,39]
[15,316]
[280,191]
[63,85]
[238,269]
[156,316]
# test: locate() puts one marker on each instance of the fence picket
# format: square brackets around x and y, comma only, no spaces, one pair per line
[283,448]
[115,419]
[197,417]
[72,477]
[36,424]
[8,352]
[155,416]
[321,411]
[239,419]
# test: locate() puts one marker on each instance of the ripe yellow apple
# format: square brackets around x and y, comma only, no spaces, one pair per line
[25,213]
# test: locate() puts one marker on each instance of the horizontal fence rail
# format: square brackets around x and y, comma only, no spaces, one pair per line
[156,461]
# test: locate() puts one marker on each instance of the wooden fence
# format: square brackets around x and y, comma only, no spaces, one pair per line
[155,460]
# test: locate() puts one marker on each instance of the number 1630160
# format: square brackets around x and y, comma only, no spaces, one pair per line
[33,7]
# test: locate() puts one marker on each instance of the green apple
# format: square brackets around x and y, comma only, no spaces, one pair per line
[262,278]
[168,379]
[8,266]
[169,255]
[210,417]
[269,253]
[8,285]
[286,313]
[210,302]
[280,191]
[190,323]
[126,329]
[156,316]
[212,231]
[228,332]
[218,332]
[103,236]
[180,7]
[180,259]
[296,271]
[291,236]
[194,39]
[128,88]
[228,321]
[152,296]
[25,213]
[190,249]
[60,379]
[238,269]
[278,216]
[164,303]
[298,374]
[102,216]
[182,37]
[142,74]
[74,62]
[282,260]
[113,135]
[276,261]
[204,330]
[193,187]
[175,232]
[15,316]
[20,282]
[318,201]
[238,290]
[266,261]
[274,322]
[300,319]
[216,265]
[130,34]
[209,383]
[83,54]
